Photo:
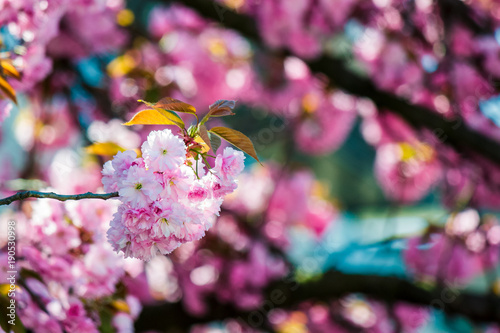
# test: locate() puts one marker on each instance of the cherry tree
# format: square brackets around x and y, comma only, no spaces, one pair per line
[211,165]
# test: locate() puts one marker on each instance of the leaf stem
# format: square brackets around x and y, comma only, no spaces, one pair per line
[206,162]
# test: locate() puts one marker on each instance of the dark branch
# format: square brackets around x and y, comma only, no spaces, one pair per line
[458,11]
[51,195]
[453,132]
[331,286]
[479,308]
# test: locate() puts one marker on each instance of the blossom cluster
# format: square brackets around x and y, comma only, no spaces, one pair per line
[38,29]
[167,199]
[65,265]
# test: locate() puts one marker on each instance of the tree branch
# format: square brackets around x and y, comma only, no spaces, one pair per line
[453,132]
[332,285]
[459,11]
[51,195]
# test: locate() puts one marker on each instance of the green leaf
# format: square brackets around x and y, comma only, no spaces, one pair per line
[237,139]
[192,130]
[106,317]
[221,108]
[155,117]
[214,142]
[203,132]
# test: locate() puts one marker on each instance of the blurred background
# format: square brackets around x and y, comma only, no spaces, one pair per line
[376,205]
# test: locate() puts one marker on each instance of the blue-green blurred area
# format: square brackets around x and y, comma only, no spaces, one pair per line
[371,244]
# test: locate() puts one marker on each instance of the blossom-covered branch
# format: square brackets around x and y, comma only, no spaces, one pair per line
[51,195]
[451,131]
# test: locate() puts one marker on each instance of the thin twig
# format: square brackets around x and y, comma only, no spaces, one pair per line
[51,195]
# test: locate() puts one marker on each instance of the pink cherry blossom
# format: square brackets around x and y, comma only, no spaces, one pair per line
[229,164]
[163,151]
[139,189]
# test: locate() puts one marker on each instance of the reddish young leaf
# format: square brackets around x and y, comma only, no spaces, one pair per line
[203,132]
[237,139]
[171,104]
[221,108]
